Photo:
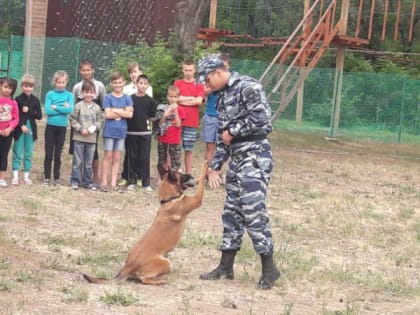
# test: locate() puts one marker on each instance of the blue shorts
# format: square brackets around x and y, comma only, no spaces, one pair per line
[189,136]
[111,144]
[209,129]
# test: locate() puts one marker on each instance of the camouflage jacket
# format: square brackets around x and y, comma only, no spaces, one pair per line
[243,110]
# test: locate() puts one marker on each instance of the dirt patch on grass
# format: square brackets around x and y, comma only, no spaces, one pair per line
[345,220]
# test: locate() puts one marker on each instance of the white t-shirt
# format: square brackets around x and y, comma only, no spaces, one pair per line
[131,88]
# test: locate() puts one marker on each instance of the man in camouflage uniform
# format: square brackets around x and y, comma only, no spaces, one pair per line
[243,126]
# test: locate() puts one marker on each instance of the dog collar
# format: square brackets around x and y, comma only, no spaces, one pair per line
[170,199]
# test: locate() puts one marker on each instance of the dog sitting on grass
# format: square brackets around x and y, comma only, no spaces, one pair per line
[146,261]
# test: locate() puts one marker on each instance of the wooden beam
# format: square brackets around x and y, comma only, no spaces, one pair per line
[372,14]
[213,14]
[345,8]
[385,20]
[413,14]
[359,18]
[397,21]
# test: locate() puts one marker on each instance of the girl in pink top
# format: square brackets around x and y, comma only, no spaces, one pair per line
[9,119]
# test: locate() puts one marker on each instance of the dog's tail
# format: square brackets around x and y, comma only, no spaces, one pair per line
[96,280]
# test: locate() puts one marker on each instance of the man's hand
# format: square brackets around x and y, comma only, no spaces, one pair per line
[226,137]
[213,178]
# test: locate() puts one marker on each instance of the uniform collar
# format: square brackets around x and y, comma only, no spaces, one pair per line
[232,79]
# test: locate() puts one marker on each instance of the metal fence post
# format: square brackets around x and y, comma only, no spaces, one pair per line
[402,108]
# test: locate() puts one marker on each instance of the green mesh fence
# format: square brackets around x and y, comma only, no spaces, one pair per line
[63,53]
[379,107]
[4,56]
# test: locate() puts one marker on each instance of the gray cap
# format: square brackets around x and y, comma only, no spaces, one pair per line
[207,65]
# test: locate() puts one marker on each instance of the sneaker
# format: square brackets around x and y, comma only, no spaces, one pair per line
[104,188]
[117,189]
[47,182]
[122,182]
[3,183]
[131,187]
[148,189]
[15,181]
[92,187]
[74,186]
[57,182]
[28,181]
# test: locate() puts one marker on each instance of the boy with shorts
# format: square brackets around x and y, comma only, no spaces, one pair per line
[169,117]
[118,108]
[209,119]
[191,96]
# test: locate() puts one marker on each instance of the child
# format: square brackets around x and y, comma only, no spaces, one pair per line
[86,121]
[139,138]
[87,70]
[191,96]
[134,70]
[9,119]
[59,104]
[26,132]
[169,117]
[209,119]
[118,107]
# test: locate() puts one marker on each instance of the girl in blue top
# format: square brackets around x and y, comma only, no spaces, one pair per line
[59,104]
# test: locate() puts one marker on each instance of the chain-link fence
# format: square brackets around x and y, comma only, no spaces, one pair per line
[375,106]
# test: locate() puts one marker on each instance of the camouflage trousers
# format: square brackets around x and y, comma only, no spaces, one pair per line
[174,151]
[246,184]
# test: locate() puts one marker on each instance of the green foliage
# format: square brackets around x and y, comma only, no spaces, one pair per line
[160,62]
[12,17]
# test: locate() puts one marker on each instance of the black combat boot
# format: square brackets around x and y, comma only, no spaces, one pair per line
[270,272]
[225,268]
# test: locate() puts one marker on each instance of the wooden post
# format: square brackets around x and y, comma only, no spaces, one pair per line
[213,14]
[34,42]
[338,79]
[372,13]
[359,18]
[397,21]
[413,14]
[385,20]
[300,90]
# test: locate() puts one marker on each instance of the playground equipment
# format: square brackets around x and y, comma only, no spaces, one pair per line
[324,24]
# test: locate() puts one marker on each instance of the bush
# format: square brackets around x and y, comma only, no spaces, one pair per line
[160,62]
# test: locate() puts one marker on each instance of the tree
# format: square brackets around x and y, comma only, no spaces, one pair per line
[12,17]
[188,16]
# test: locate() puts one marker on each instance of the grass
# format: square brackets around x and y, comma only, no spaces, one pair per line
[119,298]
[4,264]
[5,286]
[355,133]
[74,295]
[33,276]
[345,227]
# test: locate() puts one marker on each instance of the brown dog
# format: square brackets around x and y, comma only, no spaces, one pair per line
[146,260]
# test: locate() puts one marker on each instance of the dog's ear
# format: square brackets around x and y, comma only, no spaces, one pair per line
[162,170]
